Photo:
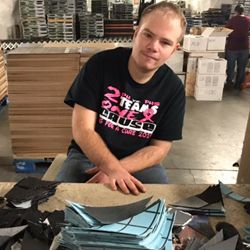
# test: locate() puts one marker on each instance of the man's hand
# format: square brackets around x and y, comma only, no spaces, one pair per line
[117,178]
[99,176]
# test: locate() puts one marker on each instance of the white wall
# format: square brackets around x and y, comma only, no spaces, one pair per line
[7,17]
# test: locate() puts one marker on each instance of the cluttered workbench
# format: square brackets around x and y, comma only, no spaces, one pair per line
[100,195]
[97,195]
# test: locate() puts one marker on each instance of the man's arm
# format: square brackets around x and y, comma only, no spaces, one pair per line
[83,129]
[147,157]
[141,159]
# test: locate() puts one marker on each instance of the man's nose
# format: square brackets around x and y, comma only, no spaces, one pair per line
[154,44]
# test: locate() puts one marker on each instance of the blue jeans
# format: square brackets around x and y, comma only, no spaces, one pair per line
[241,58]
[74,167]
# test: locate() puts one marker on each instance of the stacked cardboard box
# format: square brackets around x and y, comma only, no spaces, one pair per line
[175,62]
[207,45]
[211,39]
[191,68]
[210,79]
[3,78]
[40,123]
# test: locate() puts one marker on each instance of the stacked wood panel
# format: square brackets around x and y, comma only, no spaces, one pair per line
[3,78]
[39,78]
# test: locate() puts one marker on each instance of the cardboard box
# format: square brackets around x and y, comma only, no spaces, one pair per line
[205,54]
[211,39]
[216,37]
[212,66]
[175,62]
[208,94]
[216,43]
[192,64]
[194,43]
[190,83]
[216,81]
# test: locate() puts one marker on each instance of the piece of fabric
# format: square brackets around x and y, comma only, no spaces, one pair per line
[129,113]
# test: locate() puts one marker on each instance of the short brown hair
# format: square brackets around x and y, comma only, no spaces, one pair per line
[239,8]
[165,7]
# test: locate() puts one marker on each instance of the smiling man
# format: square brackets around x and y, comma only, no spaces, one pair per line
[128,107]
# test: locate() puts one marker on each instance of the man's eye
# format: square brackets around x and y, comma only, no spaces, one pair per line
[165,43]
[147,35]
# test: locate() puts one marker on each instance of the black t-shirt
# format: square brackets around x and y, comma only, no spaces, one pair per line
[129,113]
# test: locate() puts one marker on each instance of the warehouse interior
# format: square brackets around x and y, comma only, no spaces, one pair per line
[204,203]
[214,129]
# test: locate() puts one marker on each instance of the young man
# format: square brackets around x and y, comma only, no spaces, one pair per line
[237,47]
[128,107]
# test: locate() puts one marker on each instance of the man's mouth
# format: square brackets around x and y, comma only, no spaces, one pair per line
[149,56]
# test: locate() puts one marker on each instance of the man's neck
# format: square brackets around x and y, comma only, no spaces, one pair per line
[137,73]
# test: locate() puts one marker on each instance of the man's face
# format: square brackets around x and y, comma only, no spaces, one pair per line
[155,40]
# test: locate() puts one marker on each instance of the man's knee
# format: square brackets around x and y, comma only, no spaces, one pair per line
[154,175]
[74,168]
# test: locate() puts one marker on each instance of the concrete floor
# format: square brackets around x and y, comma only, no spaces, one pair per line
[212,141]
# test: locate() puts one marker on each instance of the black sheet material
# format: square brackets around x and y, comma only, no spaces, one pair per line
[229,231]
[202,225]
[12,217]
[211,195]
[209,202]
[247,207]
[31,189]
[29,242]
[39,234]
[3,241]
[113,214]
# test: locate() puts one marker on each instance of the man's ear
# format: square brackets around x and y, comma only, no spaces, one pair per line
[177,46]
[136,32]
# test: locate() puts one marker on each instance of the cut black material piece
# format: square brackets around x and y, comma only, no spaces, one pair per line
[31,190]
[113,214]
[209,202]
[229,231]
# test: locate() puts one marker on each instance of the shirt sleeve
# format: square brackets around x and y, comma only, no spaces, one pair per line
[171,124]
[86,88]
[229,24]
